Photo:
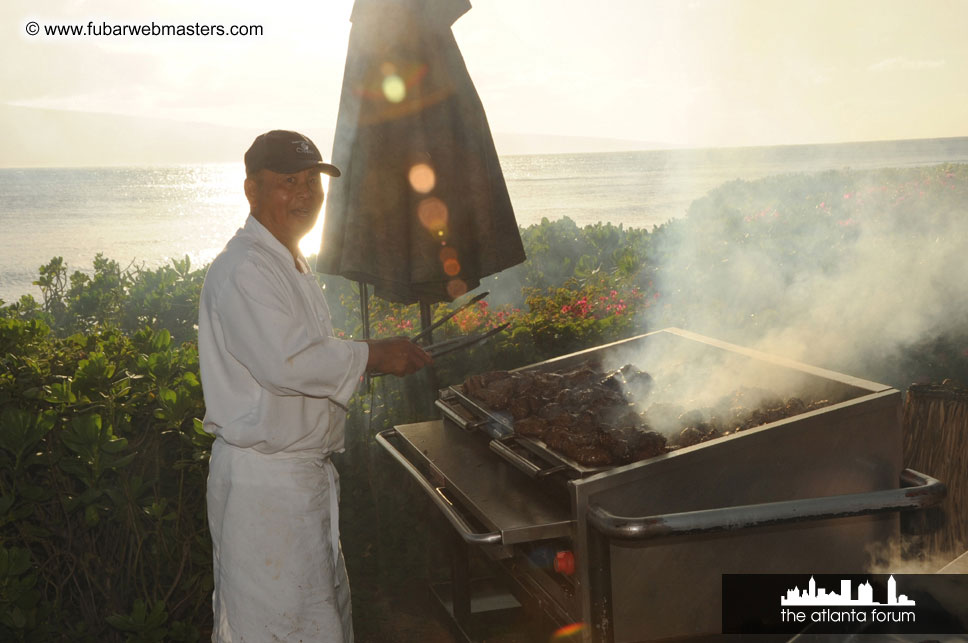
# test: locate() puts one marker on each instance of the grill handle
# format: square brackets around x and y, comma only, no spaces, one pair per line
[917,492]
[457,418]
[516,460]
[436,494]
[493,429]
[521,463]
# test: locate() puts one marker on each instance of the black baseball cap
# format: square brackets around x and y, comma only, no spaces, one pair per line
[285,152]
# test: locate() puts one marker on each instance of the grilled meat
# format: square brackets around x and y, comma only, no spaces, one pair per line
[497,395]
[589,417]
[630,444]
[522,406]
[531,427]
[689,436]
[628,381]
[648,444]
[590,456]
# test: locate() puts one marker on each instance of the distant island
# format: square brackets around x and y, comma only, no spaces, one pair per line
[35,137]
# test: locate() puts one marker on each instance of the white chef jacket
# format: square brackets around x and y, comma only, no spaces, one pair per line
[276,385]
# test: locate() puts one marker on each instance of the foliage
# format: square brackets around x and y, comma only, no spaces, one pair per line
[584,313]
[166,297]
[101,460]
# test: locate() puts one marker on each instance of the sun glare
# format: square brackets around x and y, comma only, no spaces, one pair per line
[310,244]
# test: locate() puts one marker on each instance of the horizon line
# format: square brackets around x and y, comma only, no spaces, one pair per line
[670,148]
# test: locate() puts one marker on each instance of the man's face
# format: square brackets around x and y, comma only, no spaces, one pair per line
[286,204]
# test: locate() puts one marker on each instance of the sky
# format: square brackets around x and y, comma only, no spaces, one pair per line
[697,73]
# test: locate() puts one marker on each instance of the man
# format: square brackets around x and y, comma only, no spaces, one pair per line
[276,385]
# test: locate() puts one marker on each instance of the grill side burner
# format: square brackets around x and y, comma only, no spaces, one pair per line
[691,515]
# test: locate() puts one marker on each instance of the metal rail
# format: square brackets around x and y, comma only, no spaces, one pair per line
[921,491]
[437,495]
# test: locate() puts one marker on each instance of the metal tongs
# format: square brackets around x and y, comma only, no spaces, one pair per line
[454,343]
[443,320]
[457,343]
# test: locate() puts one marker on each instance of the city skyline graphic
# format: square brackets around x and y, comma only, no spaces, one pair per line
[812,595]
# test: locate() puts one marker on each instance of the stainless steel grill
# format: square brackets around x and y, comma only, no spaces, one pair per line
[648,541]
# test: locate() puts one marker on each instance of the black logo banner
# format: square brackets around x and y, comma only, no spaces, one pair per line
[845,604]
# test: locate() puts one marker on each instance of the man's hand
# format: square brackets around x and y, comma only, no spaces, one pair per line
[397,356]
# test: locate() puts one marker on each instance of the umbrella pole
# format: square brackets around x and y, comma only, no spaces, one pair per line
[365,309]
[365,315]
[426,319]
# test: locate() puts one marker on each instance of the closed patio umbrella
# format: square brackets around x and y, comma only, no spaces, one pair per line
[421,211]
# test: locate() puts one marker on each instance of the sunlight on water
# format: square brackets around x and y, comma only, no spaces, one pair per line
[135,216]
[151,215]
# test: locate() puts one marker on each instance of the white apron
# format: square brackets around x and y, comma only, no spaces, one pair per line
[279,571]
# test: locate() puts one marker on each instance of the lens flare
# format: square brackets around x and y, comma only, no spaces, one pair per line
[394,89]
[432,213]
[568,632]
[447,253]
[452,267]
[422,178]
[456,288]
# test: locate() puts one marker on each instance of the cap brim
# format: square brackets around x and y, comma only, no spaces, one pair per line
[324,168]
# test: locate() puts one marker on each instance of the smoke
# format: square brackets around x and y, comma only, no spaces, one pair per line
[850,271]
[905,556]
[701,386]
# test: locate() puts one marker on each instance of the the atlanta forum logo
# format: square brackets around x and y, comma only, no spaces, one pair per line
[816,605]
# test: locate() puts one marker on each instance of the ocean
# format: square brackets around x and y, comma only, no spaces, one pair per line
[150,215]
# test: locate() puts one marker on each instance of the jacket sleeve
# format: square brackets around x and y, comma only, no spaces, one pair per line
[286,357]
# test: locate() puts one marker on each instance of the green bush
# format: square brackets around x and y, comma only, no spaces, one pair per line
[101,463]
[164,298]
